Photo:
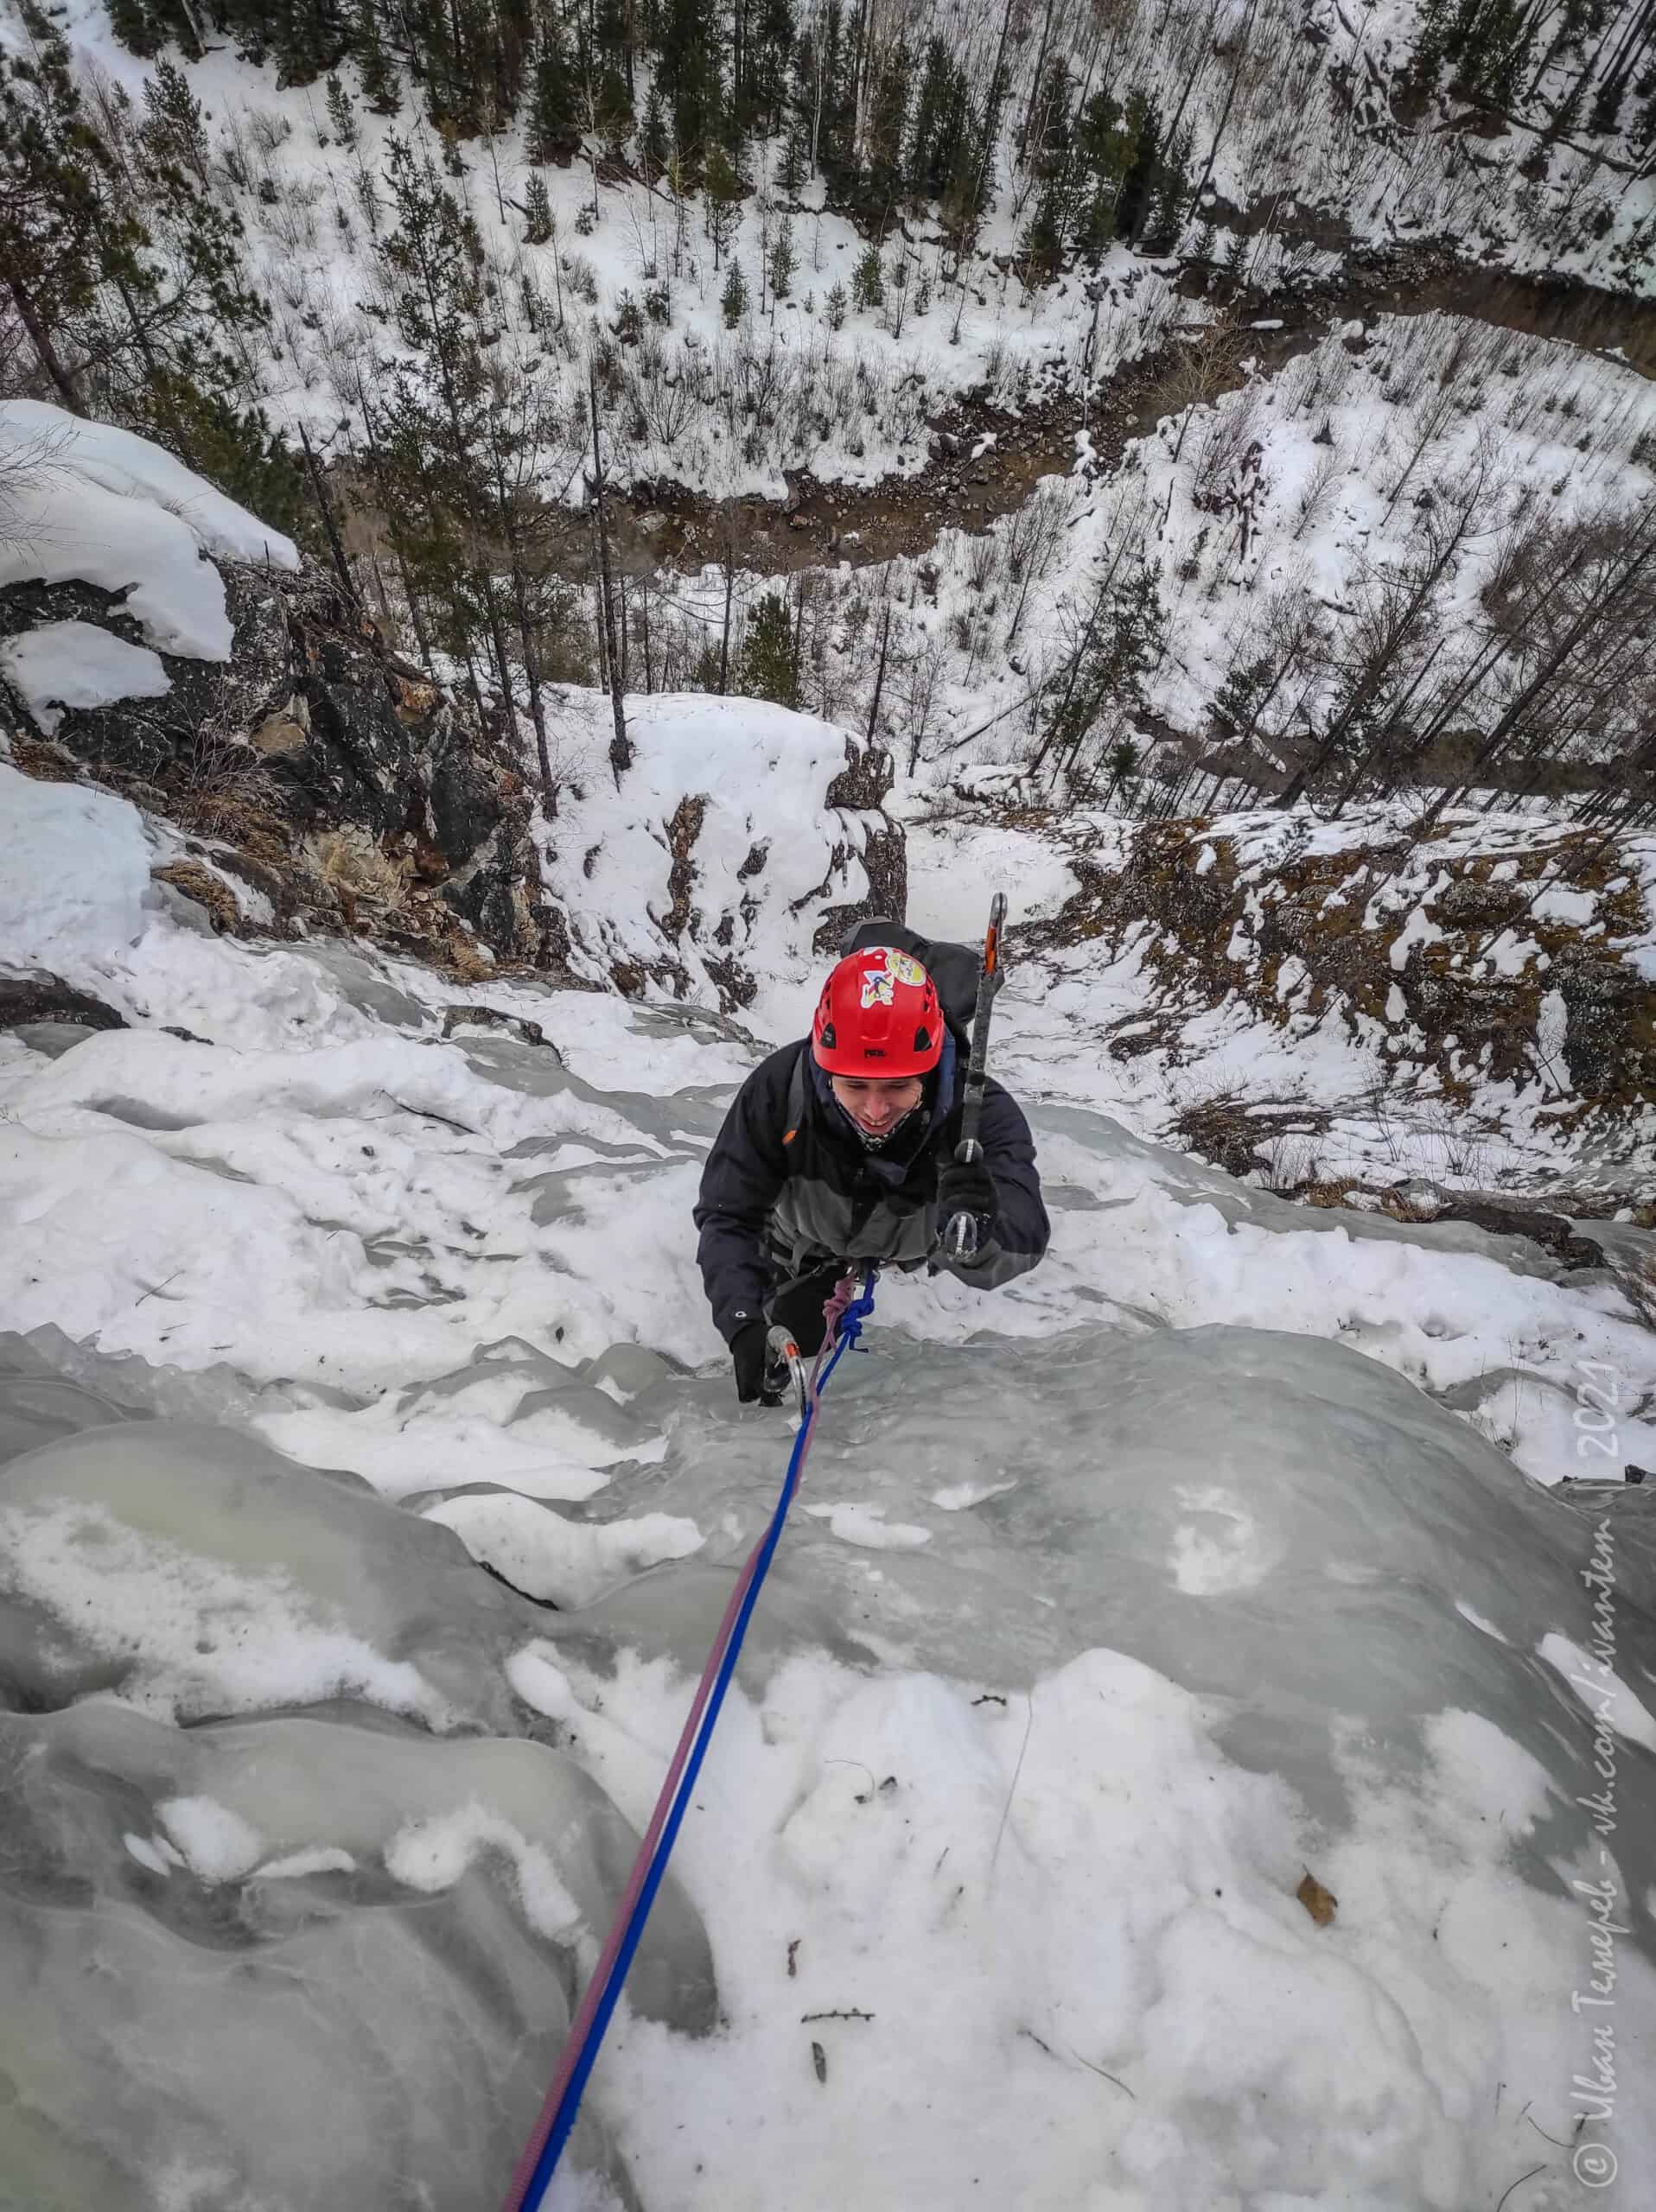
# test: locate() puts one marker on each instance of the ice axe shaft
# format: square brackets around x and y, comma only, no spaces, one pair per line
[960,1238]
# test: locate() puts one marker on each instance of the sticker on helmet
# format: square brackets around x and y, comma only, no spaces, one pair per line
[879,988]
[906,969]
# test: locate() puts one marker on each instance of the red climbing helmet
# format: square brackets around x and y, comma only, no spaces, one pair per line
[878,1016]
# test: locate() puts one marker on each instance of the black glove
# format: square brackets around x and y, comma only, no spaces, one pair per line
[968,1188]
[747,1349]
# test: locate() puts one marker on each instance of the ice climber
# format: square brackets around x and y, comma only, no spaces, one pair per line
[841,1148]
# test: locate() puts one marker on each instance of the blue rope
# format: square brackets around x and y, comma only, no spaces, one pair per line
[851,1328]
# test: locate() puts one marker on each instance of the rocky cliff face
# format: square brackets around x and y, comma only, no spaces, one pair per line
[1489,952]
[349,791]
[159,641]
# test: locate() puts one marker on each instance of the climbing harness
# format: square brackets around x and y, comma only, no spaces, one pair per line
[845,1315]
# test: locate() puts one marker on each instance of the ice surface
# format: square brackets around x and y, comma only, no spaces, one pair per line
[344,1947]
[1113,1604]
[373,2031]
[549,1555]
[65,664]
[201,1574]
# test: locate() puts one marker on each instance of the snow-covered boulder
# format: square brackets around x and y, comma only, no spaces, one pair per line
[734,851]
[157,634]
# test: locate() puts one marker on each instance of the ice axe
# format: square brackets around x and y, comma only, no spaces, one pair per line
[961,1237]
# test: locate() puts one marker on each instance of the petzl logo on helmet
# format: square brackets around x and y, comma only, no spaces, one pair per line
[879,988]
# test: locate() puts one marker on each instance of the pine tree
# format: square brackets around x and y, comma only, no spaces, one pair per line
[146,26]
[1236,262]
[795,164]
[173,129]
[1055,139]
[606,71]
[341,116]
[654,138]
[771,41]
[1166,212]
[511,41]
[812,55]
[868,282]
[434,430]
[782,259]
[768,666]
[690,76]
[554,127]
[134,22]
[1103,680]
[58,202]
[882,178]
[538,212]
[374,64]
[1433,27]
[1144,131]
[836,147]
[732,300]
[722,189]
[835,306]
[309,38]
[188,320]
[126,271]
[238,450]
[1042,243]
[937,153]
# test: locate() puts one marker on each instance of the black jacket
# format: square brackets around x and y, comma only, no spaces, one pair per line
[789,1183]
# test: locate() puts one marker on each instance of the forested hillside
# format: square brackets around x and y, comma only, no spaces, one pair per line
[1232,400]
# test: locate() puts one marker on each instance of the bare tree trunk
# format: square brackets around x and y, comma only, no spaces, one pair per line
[319,492]
[511,524]
[45,352]
[621,746]
[1535,691]
[1400,627]
[986,154]
[1242,38]
[724,633]
[1038,72]
[880,673]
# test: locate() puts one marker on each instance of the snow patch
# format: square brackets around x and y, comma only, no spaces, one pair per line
[77,664]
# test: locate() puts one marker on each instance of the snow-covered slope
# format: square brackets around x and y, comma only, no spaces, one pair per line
[1117,1604]
[1469,1004]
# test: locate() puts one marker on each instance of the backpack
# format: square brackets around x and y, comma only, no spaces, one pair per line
[955,969]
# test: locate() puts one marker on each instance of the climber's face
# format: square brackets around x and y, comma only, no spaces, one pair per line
[877,1104]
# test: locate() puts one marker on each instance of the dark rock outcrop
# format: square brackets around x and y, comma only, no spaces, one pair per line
[860,787]
[345,785]
[1395,937]
[25,999]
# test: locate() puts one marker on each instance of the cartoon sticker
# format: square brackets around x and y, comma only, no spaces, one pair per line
[906,970]
[879,988]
